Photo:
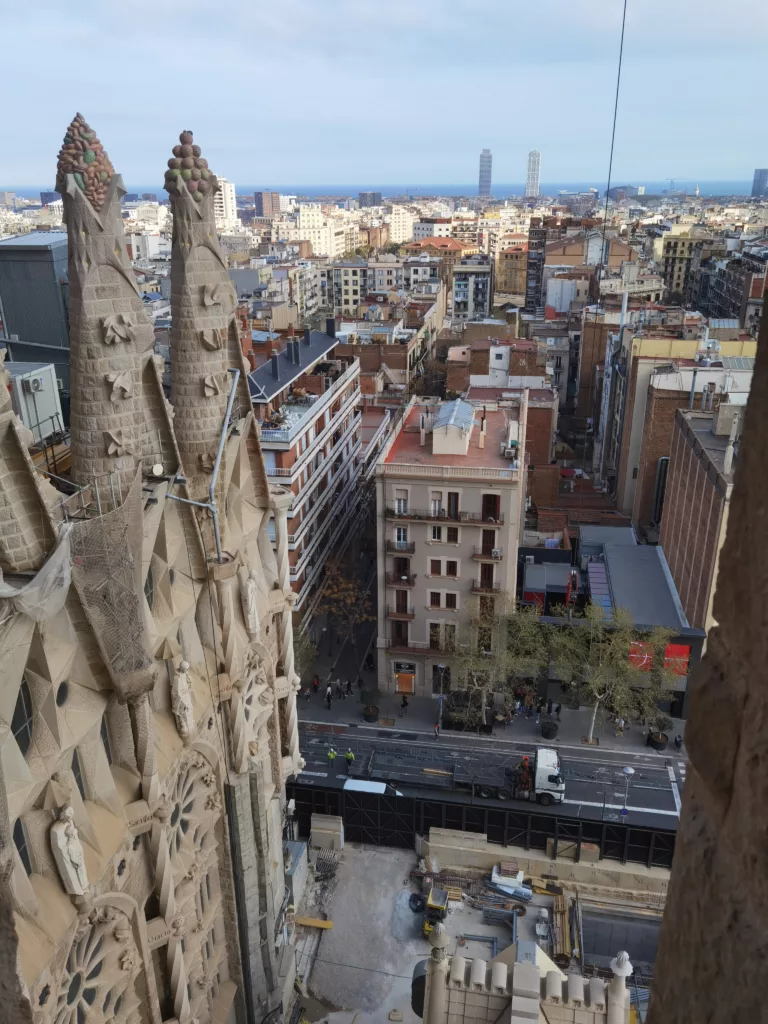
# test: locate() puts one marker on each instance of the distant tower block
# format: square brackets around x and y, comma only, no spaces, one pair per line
[532,183]
[202,308]
[486,167]
[110,332]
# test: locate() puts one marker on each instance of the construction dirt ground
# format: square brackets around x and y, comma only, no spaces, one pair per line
[364,964]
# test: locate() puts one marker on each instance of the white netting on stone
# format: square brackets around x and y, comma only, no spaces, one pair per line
[44,596]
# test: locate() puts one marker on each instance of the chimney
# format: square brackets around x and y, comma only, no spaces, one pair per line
[252,359]
[290,330]
[481,438]
[307,336]
[422,430]
[296,353]
[275,367]
[693,390]
[728,460]
[330,326]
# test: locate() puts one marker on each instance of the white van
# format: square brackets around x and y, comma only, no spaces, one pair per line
[548,781]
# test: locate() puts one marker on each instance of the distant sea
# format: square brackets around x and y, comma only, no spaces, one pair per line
[724,187]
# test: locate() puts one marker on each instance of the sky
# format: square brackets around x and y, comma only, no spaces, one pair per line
[340,91]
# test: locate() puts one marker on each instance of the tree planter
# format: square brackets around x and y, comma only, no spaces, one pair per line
[658,740]
[549,730]
[370,713]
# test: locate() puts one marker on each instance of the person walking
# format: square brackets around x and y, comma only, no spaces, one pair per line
[558,709]
[339,691]
[329,695]
[349,687]
[549,707]
[404,706]
[316,682]
[437,730]
[331,759]
[349,757]
[539,708]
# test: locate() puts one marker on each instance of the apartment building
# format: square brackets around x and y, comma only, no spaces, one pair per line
[472,290]
[401,220]
[267,204]
[511,267]
[679,256]
[306,399]
[449,499]
[225,207]
[328,235]
[450,251]
[703,456]
[432,227]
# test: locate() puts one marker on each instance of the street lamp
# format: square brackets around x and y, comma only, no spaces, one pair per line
[628,773]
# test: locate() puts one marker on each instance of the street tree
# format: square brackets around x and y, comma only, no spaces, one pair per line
[345,600]
[305,653]
[504,649]
[617,669]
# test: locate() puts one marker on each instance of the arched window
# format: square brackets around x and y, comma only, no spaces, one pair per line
[20,841]
[78,773]
[105,738]
[21,725]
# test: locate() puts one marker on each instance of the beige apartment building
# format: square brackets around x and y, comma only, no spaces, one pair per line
[449,499]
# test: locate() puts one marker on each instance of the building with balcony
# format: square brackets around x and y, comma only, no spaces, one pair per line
[306,399]
[473,288]
[449,500]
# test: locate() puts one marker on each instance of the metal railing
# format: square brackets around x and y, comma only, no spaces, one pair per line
[284,435]
[443,515]
[466,472]
[478,587]
[400,613]
[402,546]
[401,580]
[489,553]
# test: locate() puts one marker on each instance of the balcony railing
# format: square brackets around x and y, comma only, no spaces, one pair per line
[443,514]
[397,580]
[424,646]
[466,472]
[486,554]
[402,547]
[479,587]
[400,613]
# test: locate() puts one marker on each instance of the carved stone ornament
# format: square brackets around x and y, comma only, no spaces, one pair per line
[118,327]
[221,294]
[207,462]
[177,926]
[181,700]
[211,339]
[68,854]
[250,605]
[211,385]
[115,443]
[121,385]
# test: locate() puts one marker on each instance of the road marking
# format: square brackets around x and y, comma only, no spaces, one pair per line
[675,790]
[619,807]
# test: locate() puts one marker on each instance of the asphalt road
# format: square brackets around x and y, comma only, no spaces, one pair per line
[595,782]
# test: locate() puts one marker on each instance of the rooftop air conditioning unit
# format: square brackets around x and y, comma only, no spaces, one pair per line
[32,384]
[496,553]
[529,559]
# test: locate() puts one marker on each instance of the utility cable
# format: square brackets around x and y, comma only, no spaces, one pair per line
[613,140]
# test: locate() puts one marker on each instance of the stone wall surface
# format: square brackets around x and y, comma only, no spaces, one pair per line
[714,941]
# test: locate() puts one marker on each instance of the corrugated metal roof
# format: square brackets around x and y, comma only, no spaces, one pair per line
[455,414]
[36,240]
[722,323]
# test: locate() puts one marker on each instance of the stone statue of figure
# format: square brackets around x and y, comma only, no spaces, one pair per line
[68,853]
[250,606]
[181,700]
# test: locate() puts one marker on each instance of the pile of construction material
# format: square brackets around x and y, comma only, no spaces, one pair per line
[327,832]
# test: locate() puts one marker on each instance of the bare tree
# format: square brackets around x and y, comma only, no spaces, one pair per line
[620,670]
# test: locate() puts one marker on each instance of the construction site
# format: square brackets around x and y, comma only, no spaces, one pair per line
[461,928]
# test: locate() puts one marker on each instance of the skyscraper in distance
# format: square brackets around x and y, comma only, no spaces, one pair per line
[532,178]
[760,183]
[486,165]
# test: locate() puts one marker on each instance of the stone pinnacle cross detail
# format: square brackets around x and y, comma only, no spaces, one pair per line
[110,333]
[84,157]
[203,304]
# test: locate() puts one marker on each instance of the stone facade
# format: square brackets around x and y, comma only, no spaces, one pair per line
[136,691]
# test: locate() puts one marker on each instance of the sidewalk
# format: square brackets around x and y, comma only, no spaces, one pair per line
[423,713]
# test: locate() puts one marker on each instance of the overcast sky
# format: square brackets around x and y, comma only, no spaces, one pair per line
[389,92]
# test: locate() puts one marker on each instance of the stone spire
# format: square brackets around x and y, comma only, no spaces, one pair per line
[203,303]
[108,327]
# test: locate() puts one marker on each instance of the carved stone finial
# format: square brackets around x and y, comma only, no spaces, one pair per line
[188,166]
[84,157]
[181,701]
